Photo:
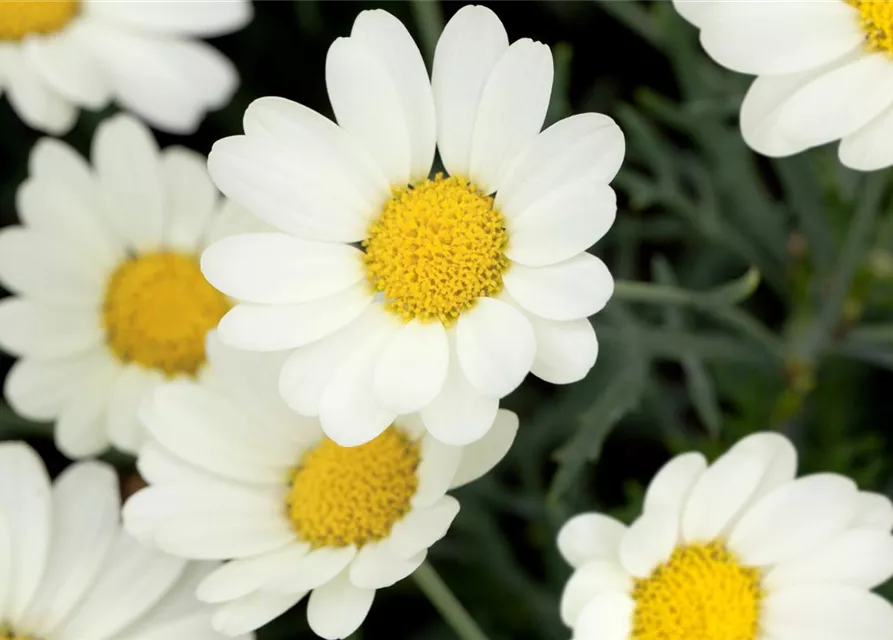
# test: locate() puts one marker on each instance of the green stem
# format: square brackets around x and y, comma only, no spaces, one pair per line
[446,603]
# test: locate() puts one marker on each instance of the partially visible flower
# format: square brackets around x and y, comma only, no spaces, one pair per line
[736,550]
[57,56]
[825,72]
[110,299]
[234,474]
[456,293]
[69,570]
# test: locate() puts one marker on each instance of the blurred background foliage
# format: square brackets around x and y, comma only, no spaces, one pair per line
[751,294]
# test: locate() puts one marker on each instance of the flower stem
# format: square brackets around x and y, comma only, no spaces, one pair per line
[446,603]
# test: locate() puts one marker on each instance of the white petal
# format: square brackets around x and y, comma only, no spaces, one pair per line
[871,147]
[254,327]
[496,346]
[232,219]
[82,428]
[857,558]
[348,410]
[585,149]
[43,331]
[511,112]
[672,485]
[191,198]
[48,269]
[159,466]
[367,104]
[570,290]
[252,612]
[129,173]
[649,542]
[412,367]
[695,11]
[435,472]
[749,470]
[826,612]
[565,351]
[33,99]
[26,501]
[68,69]
[238,578]
[6,563]
[794,519]
[280,186]
[460,414]
[562,224]
[389,40]
[608,616]
[874,511]
[193,19]
[776,38]
[338,608]
[274,268]
[479,457]
[84,524]
[315,569]
[131,388]
[471,44]
[376,568]
[590,580]
[421,528]
[590,536]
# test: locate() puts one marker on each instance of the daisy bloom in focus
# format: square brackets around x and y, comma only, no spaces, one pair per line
[401,291]
[69,570]
[110,300]
[57,56]
[737,550]
[825,73]
[235,475]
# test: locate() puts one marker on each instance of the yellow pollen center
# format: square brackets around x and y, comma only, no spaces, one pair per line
[18,18]
[876,19]
[158,308]
[435,249]
[353,495]
[701,593]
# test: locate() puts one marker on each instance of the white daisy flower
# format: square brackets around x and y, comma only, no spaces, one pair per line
[111,301]
[404,293]
[737,550]
[57,56]
[69,570]
[235,475]
[825,73]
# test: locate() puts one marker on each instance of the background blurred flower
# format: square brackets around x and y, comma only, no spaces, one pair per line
[235,474]
[111,299]
[825,73]
[60,55]
[739,549]
[457,295]
[70,572]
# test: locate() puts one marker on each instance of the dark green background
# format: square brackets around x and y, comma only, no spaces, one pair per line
[752,294]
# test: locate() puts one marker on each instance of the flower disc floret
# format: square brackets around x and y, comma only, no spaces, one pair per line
[19,18]
[876,19]
[158,308]
[353,495]
[435,249]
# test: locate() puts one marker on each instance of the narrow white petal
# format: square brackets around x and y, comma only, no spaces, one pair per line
[590,536]
[421,528]
[496,346]
[82,427]
[252,612]
[68,69]
[375,567]
[511,112]
[238,578]
[35,102]
[649,542]
[592,579]
[672,485]
[43,331]
[874,511]
[479,457]
[412,367]
[190,19]
[871,147]
[338,608]
[827,612]
[131,388]
[435,473]
[190,198]
[315,569]
[608,616]
[565,351]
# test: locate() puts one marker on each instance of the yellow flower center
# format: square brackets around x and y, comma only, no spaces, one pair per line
[435,249]
[701,593]
[158,308]
[876,18]
[353,495]
[18,18]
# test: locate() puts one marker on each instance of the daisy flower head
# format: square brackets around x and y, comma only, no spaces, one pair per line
[824,73]
[398,290]
[57,56]
[109,298]
[70,572]
[235,475]
[739,549]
